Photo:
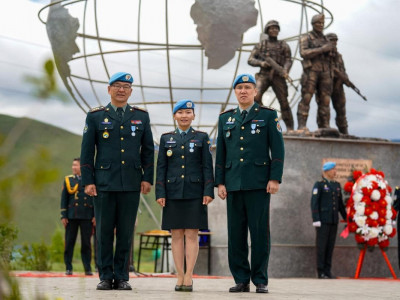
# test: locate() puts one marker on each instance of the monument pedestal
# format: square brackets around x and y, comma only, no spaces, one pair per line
[293,252]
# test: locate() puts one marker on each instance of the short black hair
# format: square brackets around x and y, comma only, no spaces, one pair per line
[77,159]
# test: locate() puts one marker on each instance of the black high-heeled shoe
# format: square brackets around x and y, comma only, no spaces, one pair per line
[178,288]
[187,288]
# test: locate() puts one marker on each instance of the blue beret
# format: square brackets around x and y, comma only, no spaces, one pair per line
[183,104]
[328,166]
[244,78]
[121,76]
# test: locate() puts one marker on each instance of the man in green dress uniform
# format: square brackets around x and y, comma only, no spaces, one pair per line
[117,163]
[77,212]
[247,174]
[326,203]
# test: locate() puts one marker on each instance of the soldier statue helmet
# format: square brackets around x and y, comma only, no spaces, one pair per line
[271,23]
[317,18]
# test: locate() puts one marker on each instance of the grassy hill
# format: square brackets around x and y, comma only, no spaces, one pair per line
[36,213]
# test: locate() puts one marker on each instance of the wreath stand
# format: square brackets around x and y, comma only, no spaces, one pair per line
[361,260]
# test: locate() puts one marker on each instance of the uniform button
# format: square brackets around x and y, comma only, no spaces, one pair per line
[241,148]
[183,167]
[183,147]
[334,208]
[242,127]
[168,180]
[123,162]
[101,167]
[76,204]
[241,138]
[84,198]
[122,127]
[85,204]
[122,139]
[241,159]
[122,150]
[183,156]
[183,176]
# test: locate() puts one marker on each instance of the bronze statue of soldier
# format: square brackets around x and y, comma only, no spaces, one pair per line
[316,51]
[275,60]
[340,77]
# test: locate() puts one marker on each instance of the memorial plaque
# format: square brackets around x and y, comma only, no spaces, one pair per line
[344,167]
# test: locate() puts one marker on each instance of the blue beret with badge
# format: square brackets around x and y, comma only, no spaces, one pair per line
[328,166]
[121,76]
[183,104]
[244,78]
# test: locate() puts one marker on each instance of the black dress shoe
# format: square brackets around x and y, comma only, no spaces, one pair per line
[323,276]
[122,285]
[68,272]
[187,288]
[331,276]
[105,285]
[89,273]
[240,287]
[261,288]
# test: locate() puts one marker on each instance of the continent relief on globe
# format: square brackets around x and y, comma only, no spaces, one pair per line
[220,26]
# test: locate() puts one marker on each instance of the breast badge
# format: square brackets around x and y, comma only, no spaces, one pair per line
[169,153]
[106,135]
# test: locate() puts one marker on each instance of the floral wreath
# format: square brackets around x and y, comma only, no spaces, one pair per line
[370,213]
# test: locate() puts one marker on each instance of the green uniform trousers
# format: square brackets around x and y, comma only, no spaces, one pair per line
[114,210]
[248,211]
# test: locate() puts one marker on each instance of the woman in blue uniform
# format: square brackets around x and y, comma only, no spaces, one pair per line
[184,188]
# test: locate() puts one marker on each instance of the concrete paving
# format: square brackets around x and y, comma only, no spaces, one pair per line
[210,288]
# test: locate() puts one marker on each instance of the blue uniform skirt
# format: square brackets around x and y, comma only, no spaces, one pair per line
[184,214]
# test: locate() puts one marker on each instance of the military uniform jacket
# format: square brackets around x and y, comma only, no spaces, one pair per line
[243,159]
[310,51]
[184,166]
[75,204]
[117,156]
[327,202]
[279,51]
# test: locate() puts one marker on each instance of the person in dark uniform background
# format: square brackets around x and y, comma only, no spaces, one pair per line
[326,204]
[77,212]
[117,163]
[247,174]
[184,188]
[396,206]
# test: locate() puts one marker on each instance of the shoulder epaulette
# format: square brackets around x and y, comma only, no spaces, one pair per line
[200,131]
[98,108]
[139,108]
[70,175]
[169,132]
[227,111]
[267,107]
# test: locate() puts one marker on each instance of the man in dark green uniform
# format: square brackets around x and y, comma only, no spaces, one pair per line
[247,175]
[76,212]
[326,203]
[117,163]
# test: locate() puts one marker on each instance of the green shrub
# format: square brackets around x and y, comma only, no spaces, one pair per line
[8,234]
[35,257]
[57,246]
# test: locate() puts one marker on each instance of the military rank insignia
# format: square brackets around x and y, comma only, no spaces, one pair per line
[85,129]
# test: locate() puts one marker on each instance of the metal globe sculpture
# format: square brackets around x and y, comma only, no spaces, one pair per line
[174,49]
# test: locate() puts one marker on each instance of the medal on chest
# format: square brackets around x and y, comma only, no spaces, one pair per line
[133,128]
[169,153]
[191,145]
[253,128]
[106,135]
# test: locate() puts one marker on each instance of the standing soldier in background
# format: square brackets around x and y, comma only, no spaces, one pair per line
[316,51]
[339,78]
[117,160]
[77,212]
[275,60]
[326,204]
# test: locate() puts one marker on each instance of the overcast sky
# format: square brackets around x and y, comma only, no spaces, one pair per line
[368,41]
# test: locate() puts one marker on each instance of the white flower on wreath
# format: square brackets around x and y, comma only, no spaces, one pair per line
[357,197]
[360,220]
[388,229]
[360,208]
[374,232]
[388,199]
[382,237]
[374,216]
[389,214]
[375,195]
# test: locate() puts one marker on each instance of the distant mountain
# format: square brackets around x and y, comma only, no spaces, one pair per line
[38,213]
